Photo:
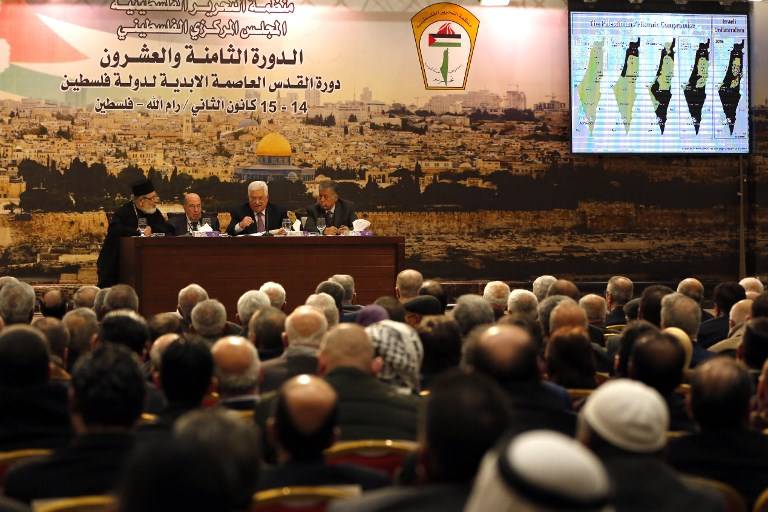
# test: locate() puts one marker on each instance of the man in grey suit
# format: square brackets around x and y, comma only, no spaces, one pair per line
[192,220]
[338,213]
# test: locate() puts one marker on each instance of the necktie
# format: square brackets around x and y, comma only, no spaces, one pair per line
[194,226]
[328,218]
[259,222]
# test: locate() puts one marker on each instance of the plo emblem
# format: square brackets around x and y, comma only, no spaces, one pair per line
[445,37]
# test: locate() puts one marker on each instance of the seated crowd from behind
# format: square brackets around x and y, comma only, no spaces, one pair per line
[545,399]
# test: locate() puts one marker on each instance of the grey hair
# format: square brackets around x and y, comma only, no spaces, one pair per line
[326,305]
[258,185]
[250,302]
[314,338]
[77,298]
[82,324]
[17,302]
[209,318]
[275,292]
[242,382]
[497,294]
[541,286]
[471,311]
[524,303]
[595,307]
[546,307]
[189,297]
[621,289]
[678,310]
[347,282]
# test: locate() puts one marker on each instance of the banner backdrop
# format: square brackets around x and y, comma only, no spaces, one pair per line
[450,129]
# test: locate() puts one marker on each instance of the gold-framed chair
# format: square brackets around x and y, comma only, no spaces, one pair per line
[734,501]
[9,458]
[385,455]
[301,499]
[578,393]
[684,389]
[615,328]
[761,503]
[95,503]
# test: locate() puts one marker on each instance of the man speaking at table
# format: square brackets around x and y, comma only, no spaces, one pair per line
[125,222]
[192,220]
[337,212]
[258,214]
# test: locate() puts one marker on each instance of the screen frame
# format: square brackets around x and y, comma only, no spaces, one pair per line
[662,7]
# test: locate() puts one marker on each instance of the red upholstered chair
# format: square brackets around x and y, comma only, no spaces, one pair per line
[8,459]
[380,454]
[301,499]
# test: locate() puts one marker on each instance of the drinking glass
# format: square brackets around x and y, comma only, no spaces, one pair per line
[320,225]
[142,225]
[303,222]
[287,225]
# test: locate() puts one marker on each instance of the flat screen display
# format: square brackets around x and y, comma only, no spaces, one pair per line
[659,83]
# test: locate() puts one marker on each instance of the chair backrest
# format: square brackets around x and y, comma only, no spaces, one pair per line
[99,503]
[761,504]
[8,459]
[301,499]
[734,501]
[577,393]
[385,455]
[615,328]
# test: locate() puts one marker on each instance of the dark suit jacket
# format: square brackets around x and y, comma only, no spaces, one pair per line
[91,464]
[713,331]
[343,214]
[540,405]
[429,498]
[316,472]
[124,222]
[291,363]
[616,316]
[642,483]
[179,223]
[273,218]
[737,457]
[34,417]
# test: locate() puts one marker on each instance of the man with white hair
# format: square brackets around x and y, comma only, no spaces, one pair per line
[595,307]
[258,215]
[618,292]
[238,371]
[541,471]
[407,284]
[678,310]
[327,306]
[625,423]
[496,293]
[189,297]
[541,286]
[275,292]
[304,330]
[752,284]
[209,319]
[17,303]
[693,288]
[523,304]
[740,314]
[248,303]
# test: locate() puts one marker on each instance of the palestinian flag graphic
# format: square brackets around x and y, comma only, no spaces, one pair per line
[445,38]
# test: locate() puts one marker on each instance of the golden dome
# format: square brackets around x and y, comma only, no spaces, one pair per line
[273,144]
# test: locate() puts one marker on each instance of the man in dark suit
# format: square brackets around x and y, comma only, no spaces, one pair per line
[714,330]
[108,394]
[617,293]
[192,220]
[125,222]
[338,213]
[238,370]
[258,215]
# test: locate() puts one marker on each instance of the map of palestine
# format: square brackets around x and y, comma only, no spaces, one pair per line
[589,88]
[624,89]
[696,89]
[730,89]
[661,89]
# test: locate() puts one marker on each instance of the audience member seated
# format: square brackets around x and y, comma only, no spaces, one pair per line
[121,296]
[419,307]
[632,309]
[625,423]
[407,284]
[523,304]
[85,296]
[350,296]
[753,351]
[107,397]
[436,290]
[441,338]
[545,309]
[57,339]
[33,411]
[233,441]
[371,314]
[164,323]
[509,355]
[53,304]
[17,303]
[684,342]
[738,317]
[595,308]
[326,305]
[564,287]
[265,330]
[569,314]
[395,309]
[541,286]
[682,312]
[650,303]
[714,330]
[368,408]
[237,370]
[618,293]
[692,287]
[465,415]
[189,297]
[304,329]
[629,336]
[99,306]
[83,328]
[336,291]
[399,347]
[658,361]
[249,303]
[570,360]
[303,426]
[471,311]
[496,293]
[541,471]
[156,353]
[276,294]
[725,449]
[752,284]
[209,321]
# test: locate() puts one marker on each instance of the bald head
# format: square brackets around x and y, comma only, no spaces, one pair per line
[720,392]
[53,304]
[740,312]
[85,296]
[408,283]
[505,353]
[159,346]
[595,308]
[347,345]
[564,287]
[567,314]
[497,294]
[236,366]
[752,284]
[691,287]
[619,291]
[305,326]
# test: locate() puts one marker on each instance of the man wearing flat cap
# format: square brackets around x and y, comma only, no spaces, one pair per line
[125,222]
[419,307]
